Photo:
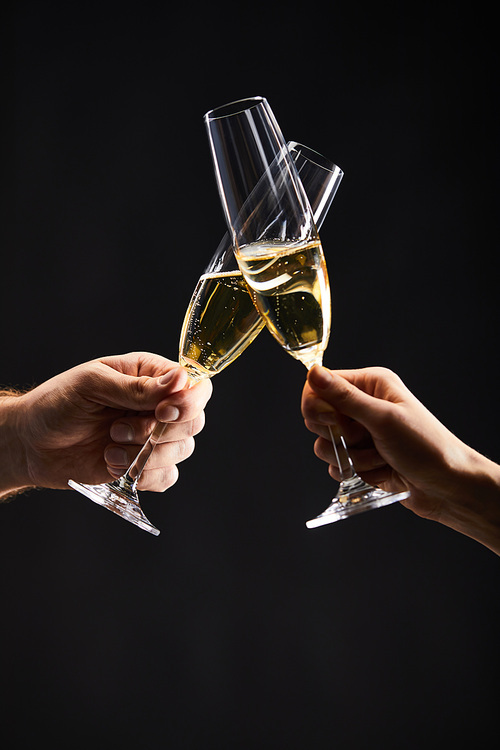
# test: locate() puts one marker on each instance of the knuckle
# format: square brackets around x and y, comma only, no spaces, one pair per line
[185,448]
[385,373]
[194,399]
[386,418]
[148,424]
[198,423]
[138,386]
[203,389]
[168,477]
[321,449]
[159,480]
[309,405]
[209,388]
[342,397]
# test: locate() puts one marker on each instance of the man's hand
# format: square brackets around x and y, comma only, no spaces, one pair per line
[89,423]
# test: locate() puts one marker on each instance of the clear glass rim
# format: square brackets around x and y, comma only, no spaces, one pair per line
[234,108]
[315,157]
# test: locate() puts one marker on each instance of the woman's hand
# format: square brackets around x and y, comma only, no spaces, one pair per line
[396,443]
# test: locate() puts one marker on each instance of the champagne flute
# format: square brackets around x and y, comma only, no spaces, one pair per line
[221,320]
[278,250]
[220,323]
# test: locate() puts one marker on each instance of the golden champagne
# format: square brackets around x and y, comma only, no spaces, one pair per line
[220,322]
[289,285]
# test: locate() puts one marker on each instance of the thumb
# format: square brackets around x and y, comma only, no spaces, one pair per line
[118,390]
[345,397]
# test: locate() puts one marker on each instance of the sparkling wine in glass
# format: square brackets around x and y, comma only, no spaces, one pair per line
[221,321]
[279,252]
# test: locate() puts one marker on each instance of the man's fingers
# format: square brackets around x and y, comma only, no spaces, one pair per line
[119,457]
[106,386]
[186,404]
[136,430]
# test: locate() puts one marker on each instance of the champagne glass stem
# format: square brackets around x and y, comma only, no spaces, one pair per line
[351,485]
[344,461]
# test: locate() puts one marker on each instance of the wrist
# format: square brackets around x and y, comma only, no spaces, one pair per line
[13,466]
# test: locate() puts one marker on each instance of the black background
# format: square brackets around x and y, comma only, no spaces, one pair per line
[237,627]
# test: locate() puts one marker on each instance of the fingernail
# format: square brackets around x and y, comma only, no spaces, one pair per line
[122,433]
[168,377]
[320,377]
[325,412]
[169,414]
[327,416]
[116,456]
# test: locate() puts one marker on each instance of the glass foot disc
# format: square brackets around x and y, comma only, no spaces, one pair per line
[124,504]
[357,498]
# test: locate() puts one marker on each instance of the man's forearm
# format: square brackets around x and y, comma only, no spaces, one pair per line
[13,475]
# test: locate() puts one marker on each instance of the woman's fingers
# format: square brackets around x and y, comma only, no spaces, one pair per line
[363,459]
[352,431]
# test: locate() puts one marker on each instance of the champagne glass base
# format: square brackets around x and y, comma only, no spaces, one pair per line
[355,496]
[120,499]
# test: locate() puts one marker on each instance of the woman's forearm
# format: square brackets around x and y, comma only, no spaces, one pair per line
[473,505]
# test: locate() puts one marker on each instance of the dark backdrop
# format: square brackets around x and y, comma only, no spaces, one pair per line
[237,627]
